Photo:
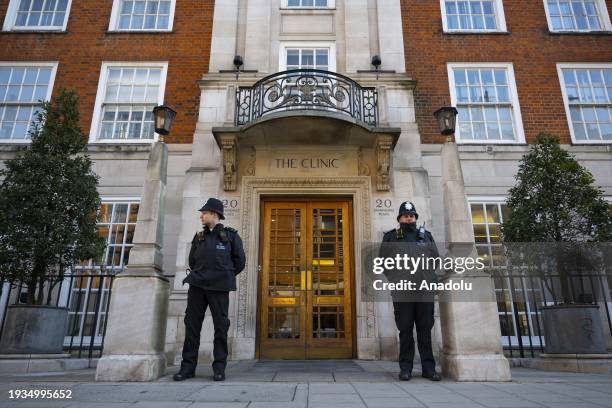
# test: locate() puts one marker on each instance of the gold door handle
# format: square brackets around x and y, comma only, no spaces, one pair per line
[306,280]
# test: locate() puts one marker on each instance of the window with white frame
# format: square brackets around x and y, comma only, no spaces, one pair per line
[87,306]
[487,218]
[90,284]
[117,223]
[22,86]
[318,55]
[305,55]
[307,58]
[127,94]
[37,15]
[308,3]
[473,15]
[149,15]
[516,296]
[486,98]
[587,94]
[577,15]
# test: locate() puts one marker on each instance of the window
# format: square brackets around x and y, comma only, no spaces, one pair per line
[577,15]
[149,15]
[473,15]
[21,88]
[308,58]
[486,98]
[487,218]
[516,295]
[587,94]
[307,55]
[117,223]
[90,284]
[88,300]
[127,94]
[37,15]
[308,3]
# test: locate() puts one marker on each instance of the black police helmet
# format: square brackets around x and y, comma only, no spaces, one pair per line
[215,205]
[407,207]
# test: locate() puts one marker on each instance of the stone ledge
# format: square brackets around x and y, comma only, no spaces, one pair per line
[32,356]
[576,363]
[429,149]
[42,363]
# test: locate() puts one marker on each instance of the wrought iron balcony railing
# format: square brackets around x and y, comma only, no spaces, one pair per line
[306,89]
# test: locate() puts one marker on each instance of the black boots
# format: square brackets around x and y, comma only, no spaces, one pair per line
[405,375]
[183,375]
[433,376]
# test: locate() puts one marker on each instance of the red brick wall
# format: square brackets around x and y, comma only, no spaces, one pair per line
[86,43]
[533,51]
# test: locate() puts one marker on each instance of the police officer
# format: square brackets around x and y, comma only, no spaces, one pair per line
[215,258]
[409,313]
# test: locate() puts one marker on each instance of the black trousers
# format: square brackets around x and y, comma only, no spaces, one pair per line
[198,300]
[407,314]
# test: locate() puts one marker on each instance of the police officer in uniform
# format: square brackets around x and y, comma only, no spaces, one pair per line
[215,258]
[408,314]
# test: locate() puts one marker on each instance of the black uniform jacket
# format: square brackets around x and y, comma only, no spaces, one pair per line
[406,240]
[215,258]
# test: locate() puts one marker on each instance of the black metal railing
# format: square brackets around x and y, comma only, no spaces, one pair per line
[521,296]
[86,292]
[306,89]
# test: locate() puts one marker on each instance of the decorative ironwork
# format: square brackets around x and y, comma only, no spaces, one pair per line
[86,292]
[306,89]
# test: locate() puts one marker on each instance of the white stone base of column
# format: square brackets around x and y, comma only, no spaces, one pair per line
[476,367]
[368,348]
[389,348]
[242,348]
[145,367]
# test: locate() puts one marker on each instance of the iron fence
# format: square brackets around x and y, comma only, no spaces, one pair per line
[86,293]
[521,296]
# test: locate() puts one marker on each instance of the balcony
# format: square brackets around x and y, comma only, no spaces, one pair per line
[306,89]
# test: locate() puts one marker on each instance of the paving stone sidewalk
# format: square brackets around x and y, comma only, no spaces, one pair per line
[314,384]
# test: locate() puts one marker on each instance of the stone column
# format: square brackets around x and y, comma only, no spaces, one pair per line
[471,336]
[389,15]
[357,36]
[134,342]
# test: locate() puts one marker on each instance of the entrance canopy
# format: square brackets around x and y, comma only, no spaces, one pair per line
[306,106]
[306,127]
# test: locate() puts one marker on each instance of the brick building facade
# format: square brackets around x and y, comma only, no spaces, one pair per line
[87,42]
[512,68]
[527,43]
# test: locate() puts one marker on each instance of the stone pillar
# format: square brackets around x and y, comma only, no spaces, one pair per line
[134,343]
[257,45]
[357,36]
[389,15]
[223,44]
[471,336]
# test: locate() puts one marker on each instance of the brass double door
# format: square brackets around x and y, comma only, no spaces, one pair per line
[305,280]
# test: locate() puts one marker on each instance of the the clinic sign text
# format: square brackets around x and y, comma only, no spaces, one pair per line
[307,163]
